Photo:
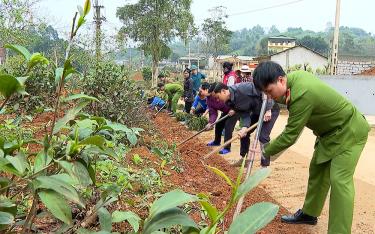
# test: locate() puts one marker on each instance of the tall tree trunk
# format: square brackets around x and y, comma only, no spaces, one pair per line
[155,73]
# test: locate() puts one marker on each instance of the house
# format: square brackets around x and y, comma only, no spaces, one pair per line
[280,43]
[2,55]
[297,55]
[193,59]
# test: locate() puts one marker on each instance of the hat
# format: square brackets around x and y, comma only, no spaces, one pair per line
[245,68]
[194,67]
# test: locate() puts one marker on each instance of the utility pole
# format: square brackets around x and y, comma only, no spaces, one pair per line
[335,42]
[98,19]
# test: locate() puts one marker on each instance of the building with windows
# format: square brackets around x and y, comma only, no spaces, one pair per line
[280,43]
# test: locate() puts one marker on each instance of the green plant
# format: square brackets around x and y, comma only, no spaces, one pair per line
[182,116]
[40,84]
[137,159]
[121,98]
[147,73]
[196,123]
[165,211]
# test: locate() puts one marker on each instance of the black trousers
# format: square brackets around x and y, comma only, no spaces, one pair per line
[188,106]
[264,136]
[227,124]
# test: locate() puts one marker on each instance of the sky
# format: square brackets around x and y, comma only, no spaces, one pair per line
[308,14]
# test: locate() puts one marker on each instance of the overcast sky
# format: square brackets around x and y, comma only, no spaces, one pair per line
[308,14]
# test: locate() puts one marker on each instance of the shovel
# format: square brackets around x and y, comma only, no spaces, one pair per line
[204,129]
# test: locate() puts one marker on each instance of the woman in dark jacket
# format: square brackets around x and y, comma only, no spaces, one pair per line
[188,90]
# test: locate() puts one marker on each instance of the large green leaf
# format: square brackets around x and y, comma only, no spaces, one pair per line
[36,59]
[8,85]
[105,219]
[41,161]
[98,141]
[6,166]
[132,218]
[68,68]
[86,7]
[222,175]
[19,162]
[208,207]
[170,200]
[254,218]
[70,115]
[118,127]
[77,171]
[252,181]
[4,182]
[168,218]
[61,187]
[21,50]
[57,205]
[21,87]
[81,96]
[6,218]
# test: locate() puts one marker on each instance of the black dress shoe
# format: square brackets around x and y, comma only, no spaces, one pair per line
[299,218]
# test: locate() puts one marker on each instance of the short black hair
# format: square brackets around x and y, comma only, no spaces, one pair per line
[220,86]
[267,73]
[187,70]
[205,86]
[212,87]
[160,85]
[161,75]
[228,65]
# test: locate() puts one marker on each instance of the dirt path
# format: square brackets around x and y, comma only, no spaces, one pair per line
[288,181]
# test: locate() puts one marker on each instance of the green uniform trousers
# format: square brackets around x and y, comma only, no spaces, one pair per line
[173,100]
[336,174]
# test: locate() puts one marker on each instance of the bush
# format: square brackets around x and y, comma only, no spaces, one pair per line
[147,73]
[40,85]
[196,123]
[120,98]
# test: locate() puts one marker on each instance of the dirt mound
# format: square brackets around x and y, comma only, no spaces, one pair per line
[137,76]
[197,178]
[369,72]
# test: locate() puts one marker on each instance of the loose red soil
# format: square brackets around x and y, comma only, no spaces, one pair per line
[370,72]
[197,178]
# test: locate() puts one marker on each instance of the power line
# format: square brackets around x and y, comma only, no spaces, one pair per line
[266,8]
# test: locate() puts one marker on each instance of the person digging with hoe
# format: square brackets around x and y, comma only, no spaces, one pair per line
[246,101]
[341,134]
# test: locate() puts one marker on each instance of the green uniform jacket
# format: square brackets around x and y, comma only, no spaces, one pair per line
[336,122]
[173,88]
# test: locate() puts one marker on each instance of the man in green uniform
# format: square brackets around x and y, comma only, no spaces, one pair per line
[341,133]
[174,92]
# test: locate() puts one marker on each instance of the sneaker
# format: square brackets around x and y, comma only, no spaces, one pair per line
[212,143]
[224,151]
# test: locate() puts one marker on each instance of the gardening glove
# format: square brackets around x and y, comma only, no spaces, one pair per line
[231,112]
[242,133]
[267,116]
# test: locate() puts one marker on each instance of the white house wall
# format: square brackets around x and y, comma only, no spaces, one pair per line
[299,55]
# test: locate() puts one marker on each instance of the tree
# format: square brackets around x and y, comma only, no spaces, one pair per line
[316,43]
[262,47]
[154,24]
[15,17]
[215,32]
[273,31]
